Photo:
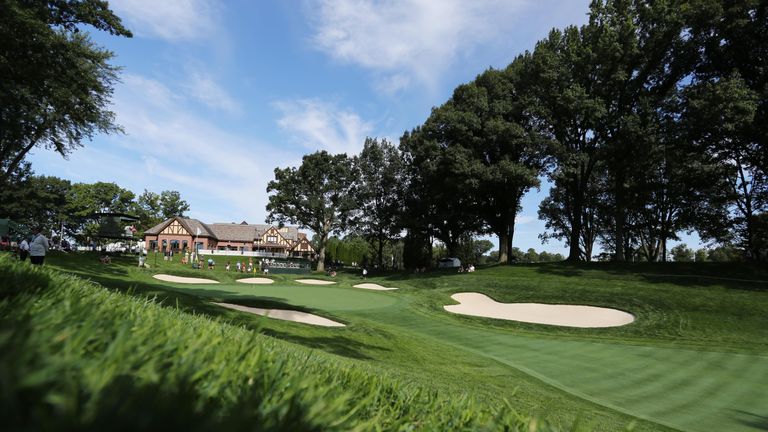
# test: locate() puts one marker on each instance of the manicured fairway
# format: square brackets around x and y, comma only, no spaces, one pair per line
[685,389]
[696,359]
[681,388]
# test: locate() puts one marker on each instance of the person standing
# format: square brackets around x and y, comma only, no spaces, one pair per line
[38,248]
[23,250]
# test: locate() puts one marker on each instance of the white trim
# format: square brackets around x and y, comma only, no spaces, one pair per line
[243,253]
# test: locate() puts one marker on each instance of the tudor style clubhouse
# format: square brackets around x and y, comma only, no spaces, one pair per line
[179,234]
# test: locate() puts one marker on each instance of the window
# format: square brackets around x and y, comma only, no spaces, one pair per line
[272,239]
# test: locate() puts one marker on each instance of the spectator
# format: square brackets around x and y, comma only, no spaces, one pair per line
[227,266]
[142,260]
[211,264]
[38,248]
[365,272]
[23,250]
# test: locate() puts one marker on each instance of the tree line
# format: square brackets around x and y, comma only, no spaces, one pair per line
[58,205]
[648,121]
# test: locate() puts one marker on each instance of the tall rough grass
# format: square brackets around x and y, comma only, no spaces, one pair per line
[75,356]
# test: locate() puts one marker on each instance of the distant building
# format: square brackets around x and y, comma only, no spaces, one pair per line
[181,234]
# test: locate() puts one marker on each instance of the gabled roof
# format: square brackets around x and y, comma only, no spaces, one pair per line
[205,229]
[290,233]
[191,225]
[302,241]
[241,232]
[233,232]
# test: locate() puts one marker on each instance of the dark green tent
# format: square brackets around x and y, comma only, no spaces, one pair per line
[115,225]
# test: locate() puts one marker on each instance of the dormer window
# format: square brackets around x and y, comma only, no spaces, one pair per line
[272,239]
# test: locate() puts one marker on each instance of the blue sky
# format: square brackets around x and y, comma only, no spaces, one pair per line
[215,95]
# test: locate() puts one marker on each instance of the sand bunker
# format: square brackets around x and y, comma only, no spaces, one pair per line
[186,280]
[256,280]
[315,282]
[285,315]
[373,286]
[481,305]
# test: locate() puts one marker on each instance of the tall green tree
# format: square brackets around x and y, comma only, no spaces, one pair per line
[569,113]
[560,218]
[378,194]
[86,199]
[503,150]
[171,204]
[728,106]
[639,53]
[733,40]
[439,194]
[56,83]
[152,208]
[148,210]
[682,253]
[317,195]
[36,201]
[718,114]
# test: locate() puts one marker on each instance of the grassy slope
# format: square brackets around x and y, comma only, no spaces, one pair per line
[695,359]
[74,356]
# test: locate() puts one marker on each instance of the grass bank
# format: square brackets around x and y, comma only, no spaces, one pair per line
[76,356]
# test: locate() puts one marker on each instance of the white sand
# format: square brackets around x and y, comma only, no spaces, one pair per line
[186,280]
[285,315]
[373,286]
[256,280]
[477,304]
[315,282]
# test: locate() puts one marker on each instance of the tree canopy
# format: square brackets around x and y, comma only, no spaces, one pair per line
[317,195]
[647,121]
[56,83]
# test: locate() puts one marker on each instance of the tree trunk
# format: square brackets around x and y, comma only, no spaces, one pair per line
[321,254]
[452,248]
[574,252]
[504,252]
[510,237]
[619,218]
[381,251]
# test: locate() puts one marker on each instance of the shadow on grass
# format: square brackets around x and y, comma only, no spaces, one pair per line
[753,420]
[339,345]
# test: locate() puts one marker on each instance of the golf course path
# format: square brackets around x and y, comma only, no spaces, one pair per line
[285,315]
[477,304]
[686,389]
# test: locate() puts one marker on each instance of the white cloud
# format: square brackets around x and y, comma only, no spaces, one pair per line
[408,39]
[216,171]
[524,219]
[172,20]
[205,89]
[319,125]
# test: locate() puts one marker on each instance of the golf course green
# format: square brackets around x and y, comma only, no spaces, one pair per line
[695,359]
